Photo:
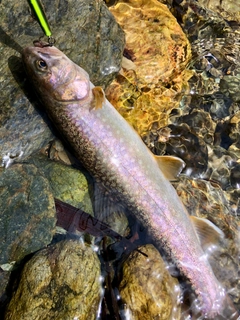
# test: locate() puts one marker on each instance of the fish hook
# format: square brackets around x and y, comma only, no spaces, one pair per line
[42,44]
[51,41]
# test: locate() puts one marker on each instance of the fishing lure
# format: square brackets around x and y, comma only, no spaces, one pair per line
[39,11]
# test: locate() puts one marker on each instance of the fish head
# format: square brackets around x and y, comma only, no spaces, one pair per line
[54,75]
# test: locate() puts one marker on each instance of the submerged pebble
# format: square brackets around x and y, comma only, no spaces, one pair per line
[149,87]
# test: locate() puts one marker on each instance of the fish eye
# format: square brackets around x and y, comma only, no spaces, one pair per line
[41,64]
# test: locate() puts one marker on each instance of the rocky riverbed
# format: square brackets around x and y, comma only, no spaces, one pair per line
[178,85]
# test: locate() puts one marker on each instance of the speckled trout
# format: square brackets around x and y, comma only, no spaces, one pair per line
[114,154]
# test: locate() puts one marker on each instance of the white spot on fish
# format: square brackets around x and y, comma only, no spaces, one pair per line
[115,161]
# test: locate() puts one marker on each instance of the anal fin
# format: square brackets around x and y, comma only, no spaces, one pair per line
[209,235]
[109,209]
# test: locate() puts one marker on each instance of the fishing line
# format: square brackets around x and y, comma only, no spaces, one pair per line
[37,7]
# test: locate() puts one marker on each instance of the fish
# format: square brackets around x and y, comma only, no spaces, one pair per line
[115,155]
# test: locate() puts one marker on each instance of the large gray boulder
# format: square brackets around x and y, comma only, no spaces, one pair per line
[87,33]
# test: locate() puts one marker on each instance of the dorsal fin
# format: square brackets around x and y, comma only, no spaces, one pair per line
[170,166]
[98,98]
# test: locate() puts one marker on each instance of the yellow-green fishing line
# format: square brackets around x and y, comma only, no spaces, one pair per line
[41,17]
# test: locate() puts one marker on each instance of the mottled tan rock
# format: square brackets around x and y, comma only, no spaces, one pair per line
[160,52]
[147,288]
[60,282]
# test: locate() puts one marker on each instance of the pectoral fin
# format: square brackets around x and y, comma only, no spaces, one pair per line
[170,166]
[98,98]
[208,234]
[108,209]
[73,219]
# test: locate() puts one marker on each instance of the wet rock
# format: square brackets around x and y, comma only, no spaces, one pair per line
[67,184]
[207,199]
[235,176]
[55,150]
[118,222]
[228,134]
[215,64]
[221,163]
[147,289]
[23,130]
[228,9]
[201,122]
[234,200]
[230,85]
[87,33]
[27,212]
[221,135]
[234,127]
[59,282]
[212,36]
[151,83]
